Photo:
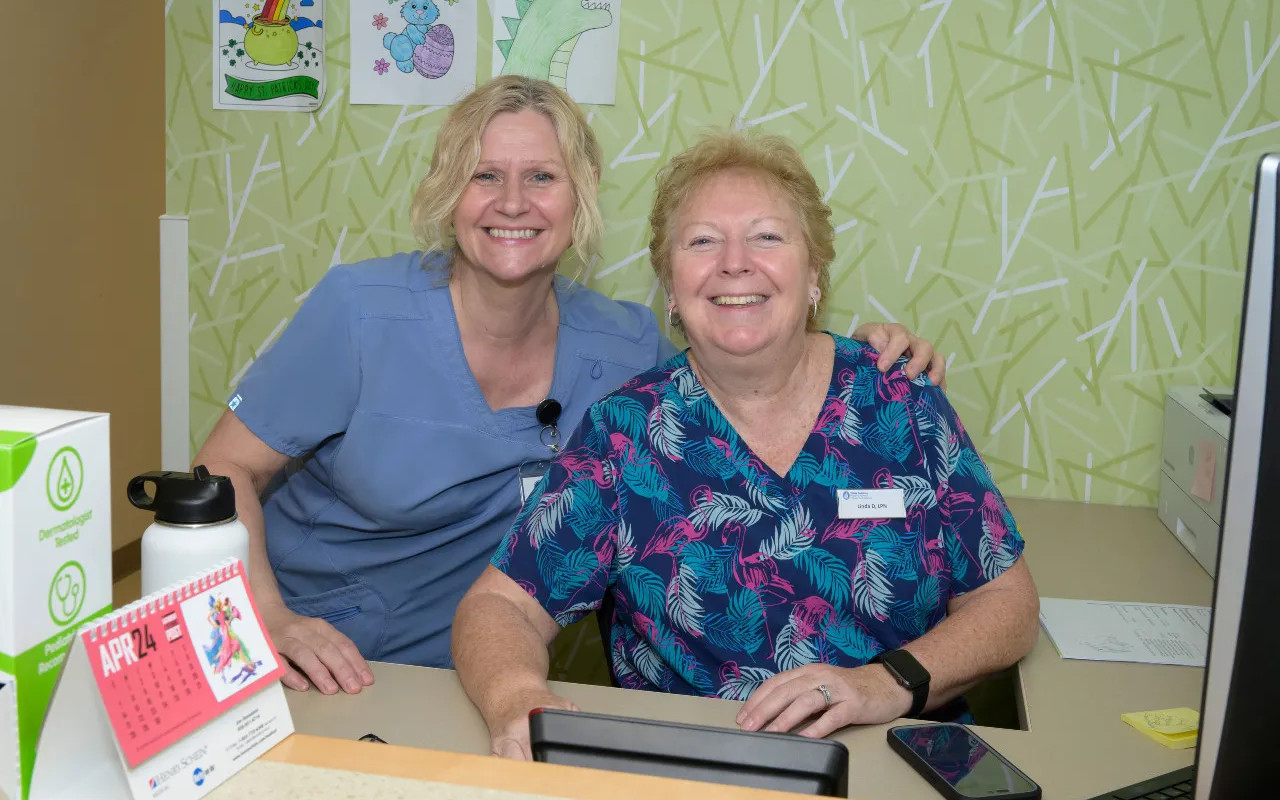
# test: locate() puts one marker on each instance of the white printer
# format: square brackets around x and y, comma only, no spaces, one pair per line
[1193,465]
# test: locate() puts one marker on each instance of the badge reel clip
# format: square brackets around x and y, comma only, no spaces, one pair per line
[548,416]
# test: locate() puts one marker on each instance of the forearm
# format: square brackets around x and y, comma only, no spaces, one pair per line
[982,637]
[249,509]
[984,631]
[498,653]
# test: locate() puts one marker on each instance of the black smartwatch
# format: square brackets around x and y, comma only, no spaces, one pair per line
[910,676]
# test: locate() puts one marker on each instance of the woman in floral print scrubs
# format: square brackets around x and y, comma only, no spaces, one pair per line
[705,496]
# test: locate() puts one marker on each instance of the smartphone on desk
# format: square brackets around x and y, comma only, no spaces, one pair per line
[960,764]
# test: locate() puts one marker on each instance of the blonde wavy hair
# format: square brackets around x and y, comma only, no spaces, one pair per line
[773,158]
[457,152]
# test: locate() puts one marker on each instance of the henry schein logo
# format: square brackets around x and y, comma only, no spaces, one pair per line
[198,775]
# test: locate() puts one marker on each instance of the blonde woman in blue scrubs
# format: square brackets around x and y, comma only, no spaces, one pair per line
[414,387]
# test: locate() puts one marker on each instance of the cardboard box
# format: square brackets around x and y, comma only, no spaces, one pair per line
[55,563]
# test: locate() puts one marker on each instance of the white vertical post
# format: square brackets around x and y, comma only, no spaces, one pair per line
[175,354]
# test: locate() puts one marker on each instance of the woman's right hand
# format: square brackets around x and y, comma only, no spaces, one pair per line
[317,653]
[509,733]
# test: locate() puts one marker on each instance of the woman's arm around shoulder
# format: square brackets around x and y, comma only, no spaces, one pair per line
[894,340]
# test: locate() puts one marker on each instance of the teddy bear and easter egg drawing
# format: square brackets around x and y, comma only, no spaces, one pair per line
[421,46]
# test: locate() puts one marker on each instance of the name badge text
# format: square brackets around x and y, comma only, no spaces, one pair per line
[871,504]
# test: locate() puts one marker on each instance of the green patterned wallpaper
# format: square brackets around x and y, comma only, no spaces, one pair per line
[1055,191]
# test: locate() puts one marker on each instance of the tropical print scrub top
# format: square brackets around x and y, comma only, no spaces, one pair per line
[725,573]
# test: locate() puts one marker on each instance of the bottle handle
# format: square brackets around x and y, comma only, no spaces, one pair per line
[138,493]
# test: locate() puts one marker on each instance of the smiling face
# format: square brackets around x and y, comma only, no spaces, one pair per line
[515,217]
[740,273]
[419,12]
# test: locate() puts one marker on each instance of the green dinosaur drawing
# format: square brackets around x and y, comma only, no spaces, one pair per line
[543,35]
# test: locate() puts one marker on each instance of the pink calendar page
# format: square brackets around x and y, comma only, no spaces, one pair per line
[170,663]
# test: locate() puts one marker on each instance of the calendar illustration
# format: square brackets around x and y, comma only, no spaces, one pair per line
[185,688]
[234,652]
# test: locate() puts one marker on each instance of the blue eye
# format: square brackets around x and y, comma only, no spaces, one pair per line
[543,177]
[768,239]
[486,177]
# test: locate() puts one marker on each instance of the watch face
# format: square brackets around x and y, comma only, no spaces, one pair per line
[905,668]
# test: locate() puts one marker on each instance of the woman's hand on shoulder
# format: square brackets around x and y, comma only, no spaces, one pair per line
[509,730]
[894,340]
[318,654]
[859,696]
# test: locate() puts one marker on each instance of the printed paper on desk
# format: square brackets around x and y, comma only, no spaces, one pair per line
[871,504]
[1146,633]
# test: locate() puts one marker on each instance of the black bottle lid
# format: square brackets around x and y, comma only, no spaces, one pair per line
[185,498]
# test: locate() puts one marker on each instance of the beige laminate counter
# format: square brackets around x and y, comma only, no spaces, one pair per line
[1075,745]
[321,768]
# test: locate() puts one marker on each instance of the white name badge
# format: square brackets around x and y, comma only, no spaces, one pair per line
[529,474]
[527,484]
[872,504]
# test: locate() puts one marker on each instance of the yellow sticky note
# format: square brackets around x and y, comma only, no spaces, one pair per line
[1176,728]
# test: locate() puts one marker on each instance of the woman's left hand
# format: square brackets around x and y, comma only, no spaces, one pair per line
[859,696]
[894,340]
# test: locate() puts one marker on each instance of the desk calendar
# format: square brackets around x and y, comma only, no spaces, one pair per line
[183,685]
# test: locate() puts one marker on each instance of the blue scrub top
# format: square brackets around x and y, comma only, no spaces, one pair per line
[413,479]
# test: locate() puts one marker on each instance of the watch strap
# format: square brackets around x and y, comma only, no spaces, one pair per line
[920,691]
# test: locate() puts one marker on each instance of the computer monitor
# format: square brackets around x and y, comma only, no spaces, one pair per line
[1242,681]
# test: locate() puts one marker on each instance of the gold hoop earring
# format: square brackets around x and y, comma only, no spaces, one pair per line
[814,314]
[670,309]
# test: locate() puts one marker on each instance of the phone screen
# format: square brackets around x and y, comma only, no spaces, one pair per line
[963,760]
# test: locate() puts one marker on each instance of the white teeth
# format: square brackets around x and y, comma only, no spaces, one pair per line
[499,233]
[738,300]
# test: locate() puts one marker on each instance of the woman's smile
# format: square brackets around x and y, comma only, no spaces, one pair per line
[513,235]
[739,300]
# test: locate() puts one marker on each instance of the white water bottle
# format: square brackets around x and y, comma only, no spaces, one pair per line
[195,525]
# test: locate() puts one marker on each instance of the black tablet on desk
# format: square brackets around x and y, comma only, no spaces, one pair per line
[779,761]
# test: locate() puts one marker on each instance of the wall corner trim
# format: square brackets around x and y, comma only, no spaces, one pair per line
[175,346]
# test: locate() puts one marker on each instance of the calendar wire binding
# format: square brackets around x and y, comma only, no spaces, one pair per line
[157,601]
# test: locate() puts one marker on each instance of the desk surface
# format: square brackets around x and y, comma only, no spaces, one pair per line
[336,769]
[1075,746]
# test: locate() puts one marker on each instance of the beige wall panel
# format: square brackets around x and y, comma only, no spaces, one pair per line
[82,177]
